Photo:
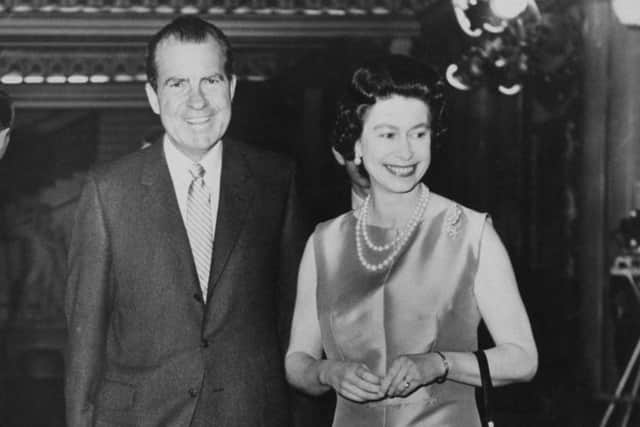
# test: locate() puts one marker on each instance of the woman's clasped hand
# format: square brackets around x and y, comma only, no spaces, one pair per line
[356,382]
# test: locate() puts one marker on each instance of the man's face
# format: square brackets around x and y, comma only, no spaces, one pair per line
[193,97]
[5,135]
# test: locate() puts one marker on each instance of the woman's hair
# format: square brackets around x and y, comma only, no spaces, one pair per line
[379,79]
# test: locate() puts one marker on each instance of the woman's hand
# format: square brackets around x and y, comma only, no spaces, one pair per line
[410,371]
[353,381]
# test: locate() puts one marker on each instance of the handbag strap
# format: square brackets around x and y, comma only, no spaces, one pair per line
[487,387]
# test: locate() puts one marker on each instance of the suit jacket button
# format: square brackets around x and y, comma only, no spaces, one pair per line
[193,392]
[205,343]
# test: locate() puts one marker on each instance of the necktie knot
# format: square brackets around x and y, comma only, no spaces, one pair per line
[197,171]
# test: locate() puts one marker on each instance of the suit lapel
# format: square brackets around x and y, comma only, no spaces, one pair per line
[165,225]
[236,193]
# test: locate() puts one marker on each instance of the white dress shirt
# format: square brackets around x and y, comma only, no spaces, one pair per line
[179,166]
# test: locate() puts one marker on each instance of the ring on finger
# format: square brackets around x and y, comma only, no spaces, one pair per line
[406,384]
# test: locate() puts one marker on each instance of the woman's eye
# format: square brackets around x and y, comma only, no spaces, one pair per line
[213,80]
[387,135]
[420,134]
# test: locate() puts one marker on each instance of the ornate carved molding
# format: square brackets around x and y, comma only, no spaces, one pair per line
[222,7]
[80,28]
[89,96]
[135,20]
[117,66]
[55,51]
[80,79]
[113,50]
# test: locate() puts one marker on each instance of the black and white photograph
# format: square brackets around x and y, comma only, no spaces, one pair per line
[319,213]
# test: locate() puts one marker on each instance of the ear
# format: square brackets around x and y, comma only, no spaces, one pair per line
[357,148]
[232,85]
[152,97]
[337,156]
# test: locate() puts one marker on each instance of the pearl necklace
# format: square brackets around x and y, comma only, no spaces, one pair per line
[394,245]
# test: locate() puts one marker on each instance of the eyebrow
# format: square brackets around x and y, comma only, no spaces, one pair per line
[386,125]
[217,75]
[172,79]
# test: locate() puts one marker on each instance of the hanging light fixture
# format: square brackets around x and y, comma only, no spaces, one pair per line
[627,11]
[498,49]
[508,9]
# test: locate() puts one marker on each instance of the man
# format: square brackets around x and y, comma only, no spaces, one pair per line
[166,327]
[359,183]
[6,121]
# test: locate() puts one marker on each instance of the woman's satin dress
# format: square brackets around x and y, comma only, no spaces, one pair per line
[424,302]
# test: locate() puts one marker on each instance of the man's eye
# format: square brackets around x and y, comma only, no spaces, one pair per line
[176,83]
[213,80]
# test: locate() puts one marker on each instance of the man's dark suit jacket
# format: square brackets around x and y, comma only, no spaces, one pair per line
[144,349]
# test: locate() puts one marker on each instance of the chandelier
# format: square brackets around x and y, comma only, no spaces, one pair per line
[499,50]
[627,11]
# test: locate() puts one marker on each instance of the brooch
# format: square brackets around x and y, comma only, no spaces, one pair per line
[453,221]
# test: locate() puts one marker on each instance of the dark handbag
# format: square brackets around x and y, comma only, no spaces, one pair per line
[484,393]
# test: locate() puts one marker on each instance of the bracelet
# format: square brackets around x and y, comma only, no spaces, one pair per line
[442,378]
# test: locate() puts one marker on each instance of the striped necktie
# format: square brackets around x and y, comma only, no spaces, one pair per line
[199,225]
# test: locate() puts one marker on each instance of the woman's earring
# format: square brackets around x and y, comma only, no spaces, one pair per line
[357,160]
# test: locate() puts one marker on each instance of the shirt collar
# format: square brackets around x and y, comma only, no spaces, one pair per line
[211,162]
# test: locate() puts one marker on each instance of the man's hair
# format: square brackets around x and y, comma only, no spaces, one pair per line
[378,79]
[187,28]
[6,110]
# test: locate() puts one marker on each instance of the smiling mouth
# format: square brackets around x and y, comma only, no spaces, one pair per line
[198,120]
[401,171]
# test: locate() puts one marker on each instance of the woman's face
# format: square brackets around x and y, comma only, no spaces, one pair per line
[395,144]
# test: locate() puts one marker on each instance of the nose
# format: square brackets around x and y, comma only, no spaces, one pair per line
[197,99]
[405,149]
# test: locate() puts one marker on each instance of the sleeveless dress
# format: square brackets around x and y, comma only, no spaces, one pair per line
[423,302]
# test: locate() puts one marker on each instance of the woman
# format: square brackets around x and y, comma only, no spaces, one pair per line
[393,292]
